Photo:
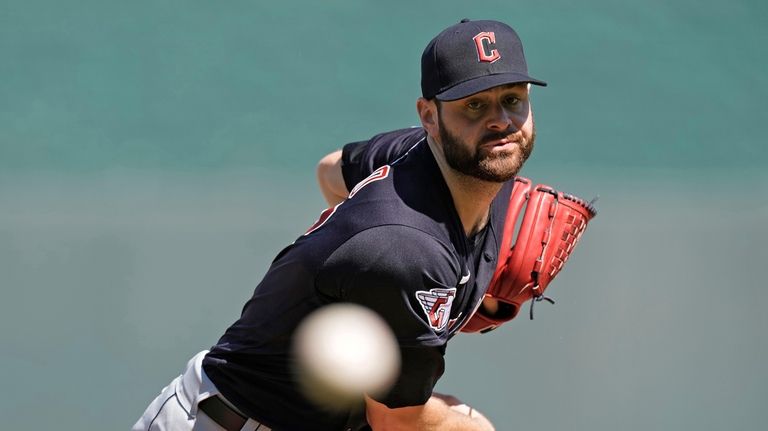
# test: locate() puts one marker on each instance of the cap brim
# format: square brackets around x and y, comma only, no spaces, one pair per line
[482,83]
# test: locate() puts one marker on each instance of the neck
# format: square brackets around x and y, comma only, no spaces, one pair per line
[472,197]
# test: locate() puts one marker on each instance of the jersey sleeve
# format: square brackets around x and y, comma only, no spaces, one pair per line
[359,159]
[390,269]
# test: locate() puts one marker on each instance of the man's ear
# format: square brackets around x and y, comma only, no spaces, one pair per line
[427,110]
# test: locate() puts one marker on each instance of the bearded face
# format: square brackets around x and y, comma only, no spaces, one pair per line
[481,159]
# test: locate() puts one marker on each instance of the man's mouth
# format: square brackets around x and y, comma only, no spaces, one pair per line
[500,143]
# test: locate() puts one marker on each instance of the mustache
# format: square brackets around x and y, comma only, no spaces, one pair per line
[515,135]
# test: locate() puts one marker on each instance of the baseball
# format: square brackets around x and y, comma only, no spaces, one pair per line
[345,351]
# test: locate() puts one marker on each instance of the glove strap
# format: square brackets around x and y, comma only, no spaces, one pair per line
[538,298]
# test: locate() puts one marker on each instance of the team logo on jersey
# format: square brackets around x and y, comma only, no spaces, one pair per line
[377,175]
[485,43]
[436,304]
[465,278]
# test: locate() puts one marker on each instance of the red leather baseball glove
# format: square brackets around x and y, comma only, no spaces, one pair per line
[550,228]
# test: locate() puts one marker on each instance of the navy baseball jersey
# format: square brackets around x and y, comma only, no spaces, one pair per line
[359,159]
[396,246]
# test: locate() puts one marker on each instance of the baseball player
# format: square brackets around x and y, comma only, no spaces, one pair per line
[416,239]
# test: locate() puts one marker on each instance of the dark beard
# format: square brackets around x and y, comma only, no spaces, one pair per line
[496,168]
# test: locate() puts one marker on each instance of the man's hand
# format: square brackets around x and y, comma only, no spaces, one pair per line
[440,412]
[457,405]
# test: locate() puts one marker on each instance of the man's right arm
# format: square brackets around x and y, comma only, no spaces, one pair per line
[340,170]
[440,412]
[330,178]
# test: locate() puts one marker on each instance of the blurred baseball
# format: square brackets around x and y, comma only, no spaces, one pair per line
[345,351]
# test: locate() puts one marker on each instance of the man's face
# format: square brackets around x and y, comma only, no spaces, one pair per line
[488,135]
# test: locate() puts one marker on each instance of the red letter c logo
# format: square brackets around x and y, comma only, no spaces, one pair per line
[483,42]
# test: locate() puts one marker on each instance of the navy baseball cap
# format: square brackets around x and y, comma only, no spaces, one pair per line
[470,57]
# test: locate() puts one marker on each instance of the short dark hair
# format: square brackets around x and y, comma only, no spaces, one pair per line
[439,104]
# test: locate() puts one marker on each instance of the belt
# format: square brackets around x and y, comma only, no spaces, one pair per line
[222,414]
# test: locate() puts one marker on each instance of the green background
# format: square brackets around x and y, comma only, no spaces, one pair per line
[155,156]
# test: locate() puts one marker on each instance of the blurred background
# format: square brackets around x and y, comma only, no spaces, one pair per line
[156,155]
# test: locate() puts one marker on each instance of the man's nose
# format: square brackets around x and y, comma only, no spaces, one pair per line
[502,119]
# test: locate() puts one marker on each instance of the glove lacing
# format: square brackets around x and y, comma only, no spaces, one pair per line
[537,296]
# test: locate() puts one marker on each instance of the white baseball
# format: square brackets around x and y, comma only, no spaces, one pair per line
[345,351]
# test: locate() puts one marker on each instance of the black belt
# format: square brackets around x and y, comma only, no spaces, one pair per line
[222,414]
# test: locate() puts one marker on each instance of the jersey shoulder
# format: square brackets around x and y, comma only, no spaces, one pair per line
[360,159]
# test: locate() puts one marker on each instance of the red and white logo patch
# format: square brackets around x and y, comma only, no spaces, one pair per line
[436,304]
[377,175]
[485,43]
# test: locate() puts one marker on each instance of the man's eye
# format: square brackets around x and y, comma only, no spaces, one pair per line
[474,106]
[511,101]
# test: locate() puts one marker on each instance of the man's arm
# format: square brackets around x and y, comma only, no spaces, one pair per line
[330,178]
[440,412]
[360,159]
